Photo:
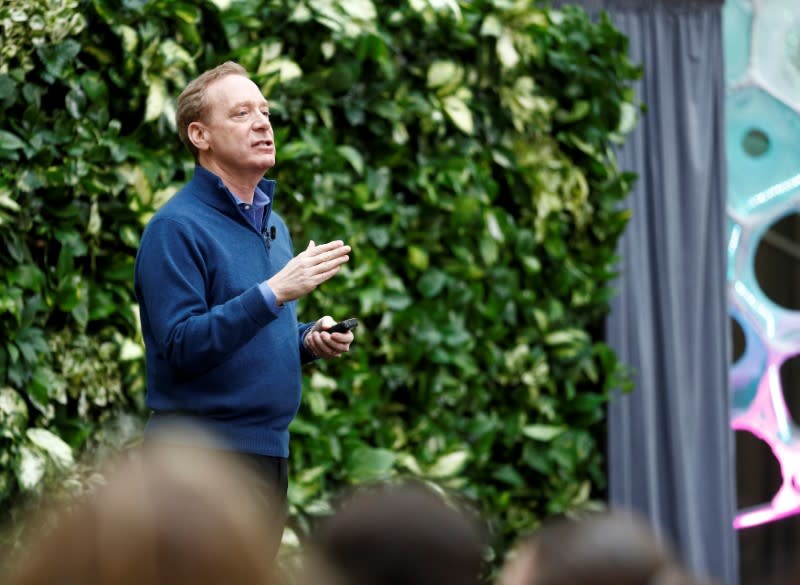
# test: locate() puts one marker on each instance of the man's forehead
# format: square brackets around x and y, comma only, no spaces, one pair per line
[236,90]
[259,101]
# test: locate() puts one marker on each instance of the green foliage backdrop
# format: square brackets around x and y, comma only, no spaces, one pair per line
[463,149]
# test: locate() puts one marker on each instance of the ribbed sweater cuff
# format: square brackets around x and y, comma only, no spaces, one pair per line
[256,307]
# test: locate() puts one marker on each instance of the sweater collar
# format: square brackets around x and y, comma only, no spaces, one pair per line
[211,190]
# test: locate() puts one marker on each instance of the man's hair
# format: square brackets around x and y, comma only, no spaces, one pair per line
[193,101]
[614,547]
[396,535]
[167,514]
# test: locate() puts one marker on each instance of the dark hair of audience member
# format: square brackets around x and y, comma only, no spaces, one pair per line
[162,518]
[396,535]
[603,548]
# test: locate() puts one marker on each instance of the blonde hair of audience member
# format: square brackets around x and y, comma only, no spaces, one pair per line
[608,548]
[396,534]
[162,518]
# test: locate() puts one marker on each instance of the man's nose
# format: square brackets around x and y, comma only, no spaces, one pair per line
[262,120]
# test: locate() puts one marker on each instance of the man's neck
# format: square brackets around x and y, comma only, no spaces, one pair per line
[242,186]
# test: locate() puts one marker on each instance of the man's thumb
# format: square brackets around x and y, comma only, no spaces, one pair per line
[311,244]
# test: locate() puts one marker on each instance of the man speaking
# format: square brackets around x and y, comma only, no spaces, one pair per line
[217,282]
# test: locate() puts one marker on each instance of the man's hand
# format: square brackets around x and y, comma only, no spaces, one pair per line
[309,269]
[327,345]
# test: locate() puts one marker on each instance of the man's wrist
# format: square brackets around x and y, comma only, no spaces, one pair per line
[270,297]
[276,291]
[305,341]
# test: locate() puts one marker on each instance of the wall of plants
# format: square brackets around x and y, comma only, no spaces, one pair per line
[463,149]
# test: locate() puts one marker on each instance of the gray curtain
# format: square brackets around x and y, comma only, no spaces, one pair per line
[670,447]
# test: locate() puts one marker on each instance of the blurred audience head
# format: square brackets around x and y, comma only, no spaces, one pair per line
[604,548]
[161,518]
[396,535]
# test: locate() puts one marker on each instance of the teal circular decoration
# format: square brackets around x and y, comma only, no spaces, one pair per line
[755,142]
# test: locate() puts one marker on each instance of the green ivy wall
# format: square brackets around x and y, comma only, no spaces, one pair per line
[463,149]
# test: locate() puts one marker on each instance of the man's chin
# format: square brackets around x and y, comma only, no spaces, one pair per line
[262,166]
[268,163]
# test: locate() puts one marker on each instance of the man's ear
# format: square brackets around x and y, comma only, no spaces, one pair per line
[198,134]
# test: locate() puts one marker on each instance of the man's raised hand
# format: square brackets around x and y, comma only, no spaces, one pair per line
[310,268]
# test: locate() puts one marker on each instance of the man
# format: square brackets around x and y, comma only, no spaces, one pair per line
[217,282]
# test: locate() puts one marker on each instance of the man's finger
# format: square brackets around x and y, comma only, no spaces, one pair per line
[327,274]
[328,246]
[330,259]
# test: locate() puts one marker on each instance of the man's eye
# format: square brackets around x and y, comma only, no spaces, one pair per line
[241,113]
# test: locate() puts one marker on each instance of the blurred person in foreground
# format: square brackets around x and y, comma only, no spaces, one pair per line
[603,548]
[160,518]
[395,535]
[217,282]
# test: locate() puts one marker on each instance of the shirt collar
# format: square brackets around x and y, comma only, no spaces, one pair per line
[208,187]
[260,199]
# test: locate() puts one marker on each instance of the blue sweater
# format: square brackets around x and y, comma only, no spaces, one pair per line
[216,353]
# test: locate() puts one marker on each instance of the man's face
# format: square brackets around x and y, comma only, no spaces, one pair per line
[238,131]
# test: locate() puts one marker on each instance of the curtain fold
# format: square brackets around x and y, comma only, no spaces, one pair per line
[671,451]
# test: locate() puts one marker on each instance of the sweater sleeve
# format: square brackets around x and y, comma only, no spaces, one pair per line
[305,355]
[171,281]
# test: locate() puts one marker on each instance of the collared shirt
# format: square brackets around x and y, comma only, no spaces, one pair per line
[254,212]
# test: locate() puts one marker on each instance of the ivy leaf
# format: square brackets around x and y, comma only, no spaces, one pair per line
[408,461]
[444,76]
[156,100]
[431,283]
[30,468]
[130,350]
[13,413]
[353,157]
[379,235]
[449,465]
[491,26]
[7,86]
[489,250]
[57,58]
[369,464]
[507,474]
[53,446]
[359,9]
[418,257]
[94,86]
[543,433]
[7,202]
[506,52]
[9,141]
[566,337]
[459,113]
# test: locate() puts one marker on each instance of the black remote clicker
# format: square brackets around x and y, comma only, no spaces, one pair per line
[343,326]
